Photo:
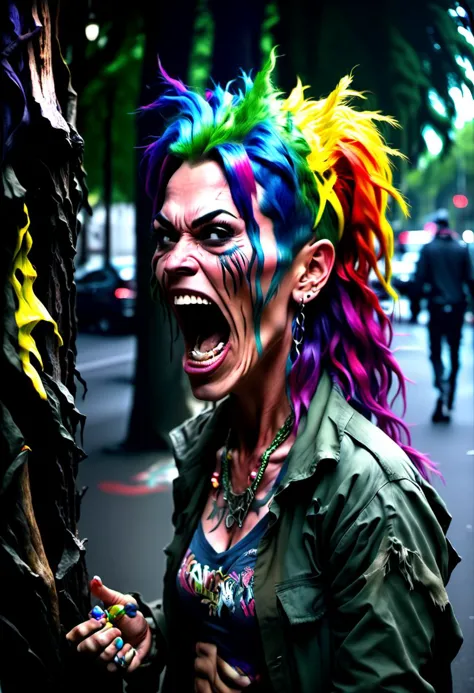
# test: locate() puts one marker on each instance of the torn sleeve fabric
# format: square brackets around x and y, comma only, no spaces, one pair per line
[392,622]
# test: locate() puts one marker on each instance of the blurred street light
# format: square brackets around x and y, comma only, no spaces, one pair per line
[92,29]
[460,201]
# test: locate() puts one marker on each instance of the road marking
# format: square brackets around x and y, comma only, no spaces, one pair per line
[104,363]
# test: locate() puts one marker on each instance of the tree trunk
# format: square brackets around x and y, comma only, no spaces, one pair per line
[42,558]
[161,391]
[108,157]
[231,55]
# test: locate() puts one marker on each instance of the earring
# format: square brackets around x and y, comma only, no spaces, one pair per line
[298,332]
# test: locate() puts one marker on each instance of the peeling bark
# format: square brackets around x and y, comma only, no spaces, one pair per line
[42,558]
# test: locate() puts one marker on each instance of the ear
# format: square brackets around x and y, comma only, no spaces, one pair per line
[313,266]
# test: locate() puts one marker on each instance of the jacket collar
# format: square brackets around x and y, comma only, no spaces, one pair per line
[319,437]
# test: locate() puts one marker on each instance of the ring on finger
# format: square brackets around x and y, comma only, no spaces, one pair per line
[117,611]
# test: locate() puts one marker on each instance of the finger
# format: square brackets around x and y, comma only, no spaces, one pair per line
[231,676]
[122,659]
[96,643]
[108,596]
[206,674]
[135,663]
[205,670]
[207,649]
[118,648]
[111,650]
[202,686]
[84,629]
[205,664]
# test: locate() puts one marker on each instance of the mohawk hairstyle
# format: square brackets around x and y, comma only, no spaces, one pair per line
[325,171]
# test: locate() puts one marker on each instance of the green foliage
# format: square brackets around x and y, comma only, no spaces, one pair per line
[398,52]
[122,76]
[272,17]
[436,179]
[203,43]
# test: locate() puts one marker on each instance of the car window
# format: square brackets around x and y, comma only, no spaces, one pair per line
[97,277]
[123,265]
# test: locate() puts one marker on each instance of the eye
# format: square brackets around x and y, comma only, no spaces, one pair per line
[163,238]
[216,234]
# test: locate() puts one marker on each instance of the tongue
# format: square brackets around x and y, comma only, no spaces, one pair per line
[210,342]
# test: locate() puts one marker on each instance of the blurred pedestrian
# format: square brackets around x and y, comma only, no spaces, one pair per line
[445,272]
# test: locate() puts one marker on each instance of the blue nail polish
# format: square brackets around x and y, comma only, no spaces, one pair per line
[120,661]
[97,613]
[118,643]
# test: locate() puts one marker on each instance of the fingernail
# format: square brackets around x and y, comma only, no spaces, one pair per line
[120,661]
[97,579]
[108,625]
[97,613]
[129,656]
[118,642]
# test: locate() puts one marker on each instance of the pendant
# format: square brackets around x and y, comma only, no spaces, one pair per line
[238,505]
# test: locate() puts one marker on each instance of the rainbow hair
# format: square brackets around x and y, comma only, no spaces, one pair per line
[325,171]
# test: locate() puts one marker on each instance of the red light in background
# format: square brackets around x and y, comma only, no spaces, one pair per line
[123,292]
[460,201]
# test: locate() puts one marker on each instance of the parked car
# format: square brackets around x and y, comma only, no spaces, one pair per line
[106,295]
[405,259]
[407,252]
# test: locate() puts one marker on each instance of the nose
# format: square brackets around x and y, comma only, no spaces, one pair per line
[180,261]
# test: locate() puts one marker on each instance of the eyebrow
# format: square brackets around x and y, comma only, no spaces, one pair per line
[209,216]
[166,224]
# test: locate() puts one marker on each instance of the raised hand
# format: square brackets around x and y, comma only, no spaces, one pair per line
[122,644]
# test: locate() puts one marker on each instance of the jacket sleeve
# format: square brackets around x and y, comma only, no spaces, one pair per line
[146,679]
[421,273]
[392,623]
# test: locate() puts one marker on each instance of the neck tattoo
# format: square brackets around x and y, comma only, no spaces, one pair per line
[238,504]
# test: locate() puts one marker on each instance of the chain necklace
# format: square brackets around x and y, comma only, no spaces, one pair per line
[238,504]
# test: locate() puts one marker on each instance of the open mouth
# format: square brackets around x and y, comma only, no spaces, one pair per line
[205,330]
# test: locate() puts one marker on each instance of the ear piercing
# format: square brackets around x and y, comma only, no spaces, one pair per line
[299,328]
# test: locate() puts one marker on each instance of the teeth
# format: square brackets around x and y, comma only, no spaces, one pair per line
[197,355]
[186,300]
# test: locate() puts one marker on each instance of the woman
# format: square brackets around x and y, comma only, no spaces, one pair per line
[309,551]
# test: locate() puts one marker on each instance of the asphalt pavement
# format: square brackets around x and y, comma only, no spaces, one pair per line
[126,510]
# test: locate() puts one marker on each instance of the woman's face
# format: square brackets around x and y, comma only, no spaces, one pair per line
[201,262]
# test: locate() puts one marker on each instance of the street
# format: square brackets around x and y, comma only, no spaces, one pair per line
[126,510]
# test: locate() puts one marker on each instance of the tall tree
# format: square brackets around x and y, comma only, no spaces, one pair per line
[399,52]
[44,577]
[160,394]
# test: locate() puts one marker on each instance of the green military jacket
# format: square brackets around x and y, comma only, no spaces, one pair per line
[351,573]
